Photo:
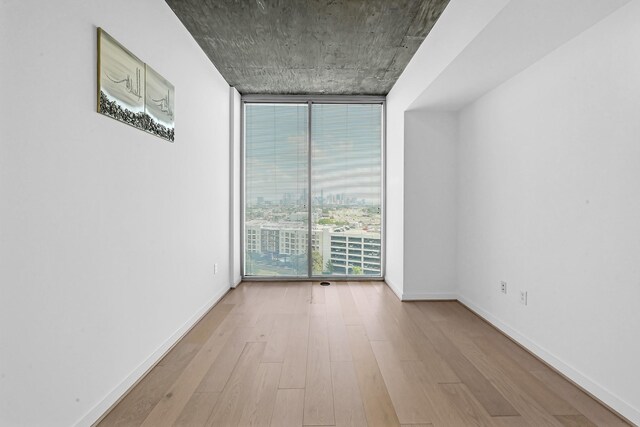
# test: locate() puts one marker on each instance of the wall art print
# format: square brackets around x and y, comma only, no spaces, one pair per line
[159,104]
[131,91]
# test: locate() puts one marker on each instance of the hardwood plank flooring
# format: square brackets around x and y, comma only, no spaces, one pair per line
[289,408]
[493,401]
[347,401]
[260,403]
[318,398]
[197,410]
[378,407]
[235,396]
[295,353]
[407,396]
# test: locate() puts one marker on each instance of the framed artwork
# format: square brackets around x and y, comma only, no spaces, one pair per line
[121,82]
[159,105]
[131,91]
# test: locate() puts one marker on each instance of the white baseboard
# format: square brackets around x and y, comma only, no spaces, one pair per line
[236,282]
[429,296]
[420,296]
[394,288]
[614,402]
[116,394]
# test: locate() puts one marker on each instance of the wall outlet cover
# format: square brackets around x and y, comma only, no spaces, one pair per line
[523,297]
[503,287]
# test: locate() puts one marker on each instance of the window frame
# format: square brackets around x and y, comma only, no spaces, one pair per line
[310,100]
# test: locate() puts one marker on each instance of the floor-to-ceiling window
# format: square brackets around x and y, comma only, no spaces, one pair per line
[313,188]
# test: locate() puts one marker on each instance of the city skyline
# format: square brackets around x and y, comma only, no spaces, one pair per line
[346,151]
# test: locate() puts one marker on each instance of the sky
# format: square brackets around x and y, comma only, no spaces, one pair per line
[346,151]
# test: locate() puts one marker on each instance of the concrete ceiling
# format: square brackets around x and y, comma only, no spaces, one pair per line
[338,47]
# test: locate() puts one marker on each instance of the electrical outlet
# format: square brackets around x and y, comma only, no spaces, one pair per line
[503,287]
[215,268]
[523,297]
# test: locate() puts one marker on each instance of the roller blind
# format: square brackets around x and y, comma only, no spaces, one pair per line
[346,185]
[276,185]
[343,157]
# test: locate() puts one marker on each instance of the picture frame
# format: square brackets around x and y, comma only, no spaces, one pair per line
[159,104]
[132,92]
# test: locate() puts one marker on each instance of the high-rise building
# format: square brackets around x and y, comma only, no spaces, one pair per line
[354,252]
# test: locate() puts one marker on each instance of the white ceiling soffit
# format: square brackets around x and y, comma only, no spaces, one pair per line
[521,33]
[459,25]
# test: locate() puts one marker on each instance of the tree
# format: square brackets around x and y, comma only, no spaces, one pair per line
[356,270]
[317,261]
[329,266]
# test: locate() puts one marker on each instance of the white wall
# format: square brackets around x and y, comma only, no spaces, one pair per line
[549,201]
[430,140]
[235,154]
[519,35]
[108,235]
[458,25]
[394,194]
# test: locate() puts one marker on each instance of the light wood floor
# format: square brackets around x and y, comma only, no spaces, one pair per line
[350,354]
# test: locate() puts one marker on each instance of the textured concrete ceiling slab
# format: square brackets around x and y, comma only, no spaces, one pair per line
[340,47]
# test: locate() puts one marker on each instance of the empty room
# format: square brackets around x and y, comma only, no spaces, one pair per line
[320,213]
